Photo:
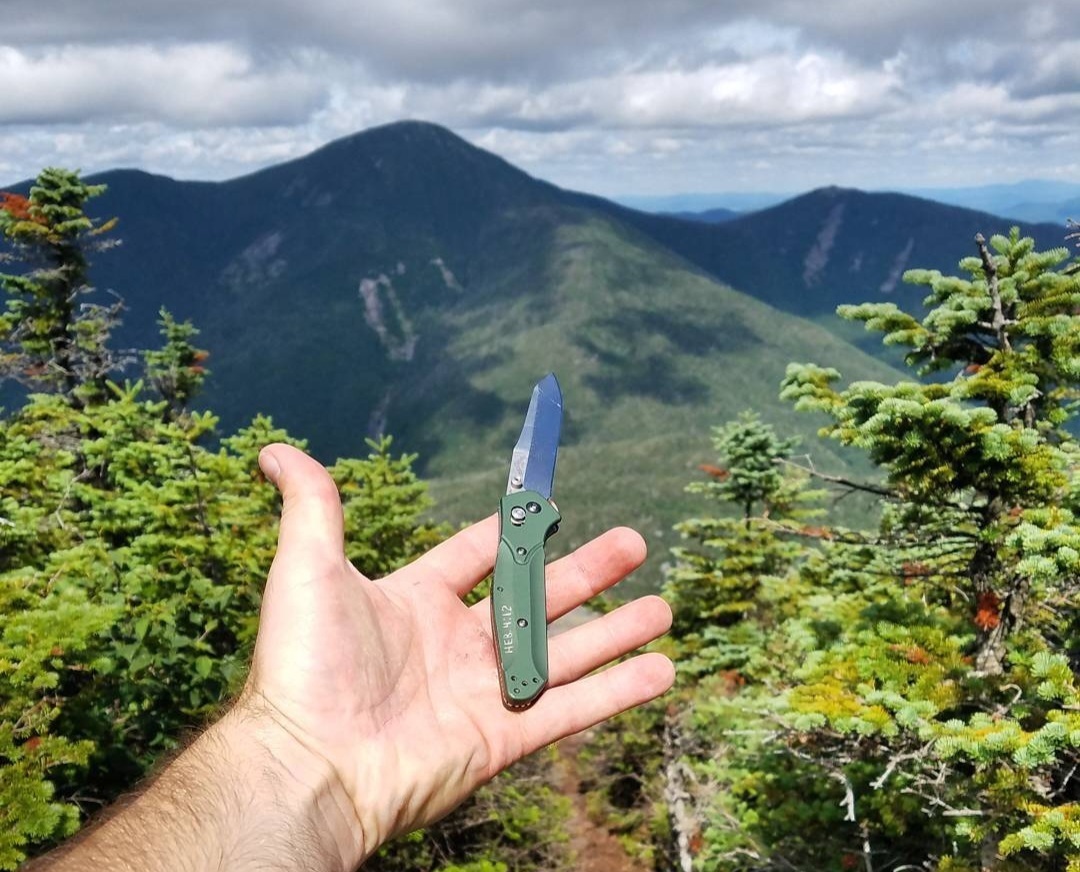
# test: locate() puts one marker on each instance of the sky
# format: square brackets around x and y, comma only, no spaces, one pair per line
[615,97]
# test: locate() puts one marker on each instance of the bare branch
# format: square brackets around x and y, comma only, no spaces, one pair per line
[849,795]
[837,479]
[1000,322]
[879,782]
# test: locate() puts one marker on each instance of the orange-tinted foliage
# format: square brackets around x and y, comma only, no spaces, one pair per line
[715,471]
[913,654]
[16,205]
[987,611]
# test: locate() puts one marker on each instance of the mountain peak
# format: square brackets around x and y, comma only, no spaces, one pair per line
[410,132]
[415,161]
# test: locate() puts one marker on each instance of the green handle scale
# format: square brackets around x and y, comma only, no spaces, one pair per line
[518,598]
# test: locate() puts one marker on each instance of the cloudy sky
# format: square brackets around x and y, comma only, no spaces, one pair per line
[611,96]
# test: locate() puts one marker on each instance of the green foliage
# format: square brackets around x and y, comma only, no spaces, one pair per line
[49,341]
[46,635]
[139,554]
[382,496]
[751,455]
[904,694]
[176,371]
[132,548]
[515,824]
[715,582]
[967,703]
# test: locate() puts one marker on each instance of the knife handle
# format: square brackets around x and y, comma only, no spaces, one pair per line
[518,599]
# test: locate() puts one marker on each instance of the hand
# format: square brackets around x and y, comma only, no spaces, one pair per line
[392,685]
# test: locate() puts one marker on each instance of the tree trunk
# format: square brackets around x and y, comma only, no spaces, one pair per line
[677,797]
[990,657]
[988,853]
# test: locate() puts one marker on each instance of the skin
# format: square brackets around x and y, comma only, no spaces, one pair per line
[372,707]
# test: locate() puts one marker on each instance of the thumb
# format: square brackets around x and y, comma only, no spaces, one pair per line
[312,527]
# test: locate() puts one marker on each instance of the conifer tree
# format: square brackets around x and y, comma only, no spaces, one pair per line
[902,696]
[49,339]
[176,371]
[715,581]
[957,688]
[733,589]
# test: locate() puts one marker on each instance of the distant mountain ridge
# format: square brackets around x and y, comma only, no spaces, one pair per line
[830,246]
[401,280]
[709,216]
[1035,200]
[1032,200]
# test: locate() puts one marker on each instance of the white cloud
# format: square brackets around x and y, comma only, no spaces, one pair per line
[201,84]
[771,90]
[610,95]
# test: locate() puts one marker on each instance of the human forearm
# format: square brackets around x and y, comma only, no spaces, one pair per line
[243,796]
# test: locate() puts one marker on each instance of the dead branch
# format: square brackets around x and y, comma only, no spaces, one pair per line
[838,479]
[999,322]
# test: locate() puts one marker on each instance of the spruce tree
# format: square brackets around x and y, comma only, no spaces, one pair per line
[715,581]
[959,687]
[904,695]
[50,339]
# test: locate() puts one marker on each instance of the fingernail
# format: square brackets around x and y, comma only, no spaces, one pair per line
[269,465]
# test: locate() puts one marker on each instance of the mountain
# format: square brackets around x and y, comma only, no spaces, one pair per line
[1035,200]
[403,281]
[736,201]
[830,246]
[709,216]
[1060,211]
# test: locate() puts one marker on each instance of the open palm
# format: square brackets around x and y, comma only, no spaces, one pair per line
[394,682]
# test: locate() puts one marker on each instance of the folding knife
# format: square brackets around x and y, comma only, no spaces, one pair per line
[527,519]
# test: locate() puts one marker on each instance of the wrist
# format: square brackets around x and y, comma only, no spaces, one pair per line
[290,784]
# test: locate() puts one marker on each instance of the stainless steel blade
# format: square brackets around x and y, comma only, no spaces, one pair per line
[532,466]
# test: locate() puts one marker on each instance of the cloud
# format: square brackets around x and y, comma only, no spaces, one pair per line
[201,84]
[407,34]
[607,94]
[773,90]
[1054,69]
